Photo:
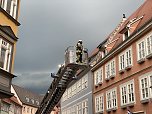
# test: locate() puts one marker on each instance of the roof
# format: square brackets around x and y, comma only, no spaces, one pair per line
[28,97]
[8,31]
[138,19]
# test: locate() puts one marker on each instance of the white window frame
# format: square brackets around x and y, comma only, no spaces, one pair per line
[7,59]
[126,86]
[13,11]
[110,69]
[84,81]
[79,109]
[107,71]
[4,2]
[142,51]
[85,106]
[148,88]
[111,99]
[125,59]
[149,45]
[99,103]
[98,76]
[128,57]
[79,85]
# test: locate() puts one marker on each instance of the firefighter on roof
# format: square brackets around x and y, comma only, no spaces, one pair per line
[79,51]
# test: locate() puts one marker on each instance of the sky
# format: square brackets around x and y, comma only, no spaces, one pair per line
[48,27]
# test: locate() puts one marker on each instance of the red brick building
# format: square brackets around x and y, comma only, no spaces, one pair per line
[122,66]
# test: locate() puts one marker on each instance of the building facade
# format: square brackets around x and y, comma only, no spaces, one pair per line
[77,99]
[30,101]
[9,10]
[10,106]
[122,67]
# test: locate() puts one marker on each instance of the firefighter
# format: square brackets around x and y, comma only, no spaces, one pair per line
[79,51]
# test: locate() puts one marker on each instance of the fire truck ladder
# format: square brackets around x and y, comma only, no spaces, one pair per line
[63,77]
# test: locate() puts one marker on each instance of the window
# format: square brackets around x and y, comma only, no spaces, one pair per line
[5,55]
[141,50]
[125,60]
[32,100]
[107,71]
[73,110]
[13,11]
[144,48]
[69,93]
[127,93]
[85,82]
[79,86]
[79,108]
[85,107]
[126,35]
[8,6]
[110,69]
[99,103]
[69,110]
[122,62]
[3,4]
[111,97]
[27,99]
[128,58]
[28,110]
[145,87]
[74,89]
[98,76]
[149,45]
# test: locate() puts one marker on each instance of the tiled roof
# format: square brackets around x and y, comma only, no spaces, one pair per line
[27,97]
[136,21]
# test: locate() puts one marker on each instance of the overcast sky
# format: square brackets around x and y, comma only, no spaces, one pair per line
[48,27]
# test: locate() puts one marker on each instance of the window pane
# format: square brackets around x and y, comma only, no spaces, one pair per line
[2,58]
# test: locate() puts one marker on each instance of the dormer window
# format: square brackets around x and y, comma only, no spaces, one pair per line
[126,35]
[27,99]
[37,102]
[32,100]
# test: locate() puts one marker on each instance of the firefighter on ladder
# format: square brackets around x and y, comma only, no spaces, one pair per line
[79,51]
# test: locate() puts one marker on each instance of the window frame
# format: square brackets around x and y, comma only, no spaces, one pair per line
[98,104]
[111,100]
[127,103]
[98,76]
[147,76]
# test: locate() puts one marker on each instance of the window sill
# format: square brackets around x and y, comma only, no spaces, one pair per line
[128,105]
[107,79]
[144,101]
[149,56]
[114,108]
[100,112]
[128,67]
[141,61]
[100,83]
[112,76]
[109,110]
[96,85]
[121,71]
